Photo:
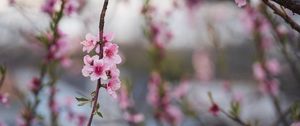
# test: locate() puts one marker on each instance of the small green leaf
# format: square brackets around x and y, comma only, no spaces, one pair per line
[99,114]
[82,103]
[93,93]
[80,99]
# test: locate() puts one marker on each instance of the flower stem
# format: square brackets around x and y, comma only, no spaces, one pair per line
[101,42]
[95,99]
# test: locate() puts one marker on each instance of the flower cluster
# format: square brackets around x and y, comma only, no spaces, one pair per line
[59,49]
[50,5]
[127,105]
[267,85]
[104,68]
[160,98]
[73,116]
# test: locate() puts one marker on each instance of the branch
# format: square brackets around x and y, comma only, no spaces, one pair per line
[285,17]
[95,102]
[101,43]
[293,5]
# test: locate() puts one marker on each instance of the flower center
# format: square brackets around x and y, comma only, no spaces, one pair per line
[98,70]
[109,53]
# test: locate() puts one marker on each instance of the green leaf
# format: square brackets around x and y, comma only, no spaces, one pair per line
[99,114]
[82,103]
[80,99]
[93,93]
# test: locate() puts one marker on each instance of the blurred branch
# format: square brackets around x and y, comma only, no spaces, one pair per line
[283,42]
[2,73]
[284,16]
[236,119]
[293,5]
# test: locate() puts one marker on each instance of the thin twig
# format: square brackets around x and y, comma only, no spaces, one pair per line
[236,119]
[293,5]
[95,99]
[285,17]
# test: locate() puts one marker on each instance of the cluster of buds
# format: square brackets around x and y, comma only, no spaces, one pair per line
[127,106]
[71,6]
[267,84]
[159,98]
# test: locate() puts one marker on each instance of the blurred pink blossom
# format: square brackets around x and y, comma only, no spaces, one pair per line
[282,29]
[181,90]
[4,99]
[2,123]
[214,109]
[123,99]
[71,7]
[113,85]
[241,3]
[35,85]
[153,89]
[269,87]
[295,124]
[272,66]
[174,114]
[134,118]
[203,65]
[49,6]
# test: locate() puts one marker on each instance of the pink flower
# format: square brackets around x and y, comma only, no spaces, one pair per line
[295,124]
[123,98]
[282,29]
[153,90]
[2,123]
[113,85]
[81,120]
[89,43]
[11,2]
[88,62]
[20,121]
[134,118]
[192,3]
[214,109]
[4,98]
[258,72]
[269,87]
[71,7]
[114,72]
[175,114]
[273,66]
[238,97]
[99,69]
[108,37]
[49,6]
[94,67]
[241,3]
[181,90]
[35,85]
[111,53]
[203,65]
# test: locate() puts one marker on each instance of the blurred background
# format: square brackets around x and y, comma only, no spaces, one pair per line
[210,49]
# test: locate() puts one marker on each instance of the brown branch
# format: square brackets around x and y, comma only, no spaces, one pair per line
[292,5]
[101,43]
[235,119]
[95,102]
[285,17]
